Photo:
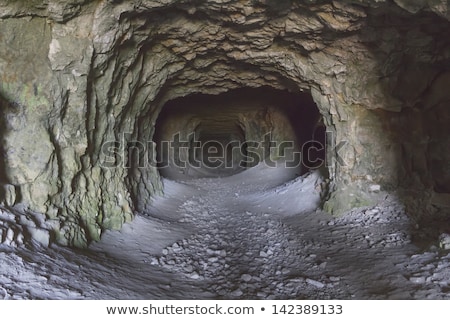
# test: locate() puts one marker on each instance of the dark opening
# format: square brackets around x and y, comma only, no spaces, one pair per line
[218,135]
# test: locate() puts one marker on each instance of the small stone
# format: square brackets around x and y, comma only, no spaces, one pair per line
[194,276]
[315,283]
[188,268]
[417,280]
[261,294]
[444,241]
[237,293]
[246,277]
[375,188]
[222,292]
[285,271]
[297,280]
[213,259]
[334,279]
[165,252]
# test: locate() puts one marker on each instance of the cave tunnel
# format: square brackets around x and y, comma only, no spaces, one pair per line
[226,133]
[225,149]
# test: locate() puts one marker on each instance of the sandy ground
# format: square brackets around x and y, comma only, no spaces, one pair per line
[255,235]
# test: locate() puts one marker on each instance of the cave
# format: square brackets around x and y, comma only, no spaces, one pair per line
[220,135]
[239,146]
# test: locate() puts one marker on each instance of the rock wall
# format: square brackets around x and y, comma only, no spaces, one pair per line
[76,75]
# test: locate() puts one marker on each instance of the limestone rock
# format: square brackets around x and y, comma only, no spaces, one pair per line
[9,195]
[39,235]
[444,241]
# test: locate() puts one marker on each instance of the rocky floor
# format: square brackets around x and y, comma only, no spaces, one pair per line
[240,237]
[254,253]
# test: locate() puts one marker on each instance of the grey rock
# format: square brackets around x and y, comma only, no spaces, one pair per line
[41,236]
[417,280]
[246,277]
[315,283]
[194,276]
[335,279]
[237,293]
[444,241]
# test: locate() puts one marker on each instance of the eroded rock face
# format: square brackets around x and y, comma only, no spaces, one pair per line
[75,75]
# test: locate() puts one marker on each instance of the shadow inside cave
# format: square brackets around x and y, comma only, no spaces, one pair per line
[414,132]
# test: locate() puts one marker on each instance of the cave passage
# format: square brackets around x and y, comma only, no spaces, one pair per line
[220,135]
[178,143]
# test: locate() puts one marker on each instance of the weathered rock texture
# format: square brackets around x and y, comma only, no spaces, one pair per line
[75,74]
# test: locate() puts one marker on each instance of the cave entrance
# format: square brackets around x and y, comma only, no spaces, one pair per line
[203,135]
